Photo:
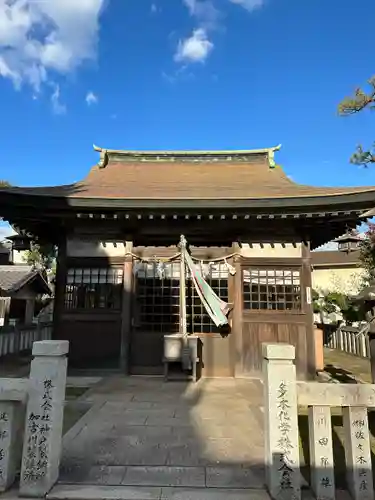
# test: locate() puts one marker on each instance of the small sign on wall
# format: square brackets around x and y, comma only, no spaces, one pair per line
[308,295]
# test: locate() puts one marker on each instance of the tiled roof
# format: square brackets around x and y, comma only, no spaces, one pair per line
[335,258]
[188,180]
[194,180]
[187,175]
[12,278]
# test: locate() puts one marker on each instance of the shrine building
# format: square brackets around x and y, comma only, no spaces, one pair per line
[249,229]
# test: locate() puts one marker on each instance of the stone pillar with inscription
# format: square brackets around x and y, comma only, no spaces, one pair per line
[321,452]
[13,395]
[44,418]
[358,453]
[281,422]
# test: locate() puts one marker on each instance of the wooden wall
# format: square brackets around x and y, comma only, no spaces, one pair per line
[94,336]
[255,331]
[94,339]
[217,355]
[252,328]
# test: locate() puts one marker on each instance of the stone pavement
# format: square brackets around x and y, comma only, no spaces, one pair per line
[346,368]
[156,439]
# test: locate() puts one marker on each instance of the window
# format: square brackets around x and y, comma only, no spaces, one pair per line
[265,289]
[216,276]
[158,298]
[92,288]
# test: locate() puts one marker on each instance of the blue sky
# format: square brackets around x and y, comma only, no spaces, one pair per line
[183,74]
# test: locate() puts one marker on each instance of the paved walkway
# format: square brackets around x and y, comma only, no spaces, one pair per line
[158,438]
[347,368]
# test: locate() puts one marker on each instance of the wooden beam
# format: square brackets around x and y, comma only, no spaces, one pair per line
[126,309]
[307,307]
[237,313]
[60,283]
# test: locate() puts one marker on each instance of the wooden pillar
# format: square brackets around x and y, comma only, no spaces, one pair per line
[126,310]
[306,290]
[237,313]
[60,283]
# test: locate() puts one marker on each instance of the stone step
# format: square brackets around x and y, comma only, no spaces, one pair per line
[94,492]
[169,476]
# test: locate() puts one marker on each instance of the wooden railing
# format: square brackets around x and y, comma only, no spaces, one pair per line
[353,340]
[15,339]
[283,395]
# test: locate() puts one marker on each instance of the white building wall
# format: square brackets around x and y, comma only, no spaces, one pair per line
[344,280]
[19,256]
[77,247]
[271,250]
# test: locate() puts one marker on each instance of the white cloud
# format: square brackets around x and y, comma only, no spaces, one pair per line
[196,48]
[205,12]
[154,8]
[91,98]
[42,38]
[58,107]
[180,73]
[249,5]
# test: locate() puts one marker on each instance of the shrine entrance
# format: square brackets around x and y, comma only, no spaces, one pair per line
[156,311]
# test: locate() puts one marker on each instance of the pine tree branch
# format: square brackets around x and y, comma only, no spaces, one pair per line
[355,104]
[361,157]
[359,101]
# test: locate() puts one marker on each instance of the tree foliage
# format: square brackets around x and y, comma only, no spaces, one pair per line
[367,254]
[41,256]
[354,104]
[4,183]
[336,302]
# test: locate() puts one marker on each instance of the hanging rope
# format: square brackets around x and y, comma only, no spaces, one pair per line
[178,255]
[218,259]
[153,259]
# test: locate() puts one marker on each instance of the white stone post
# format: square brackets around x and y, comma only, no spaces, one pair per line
[363,345]
[281,422]
[44,418]
[358,453]
[13,394]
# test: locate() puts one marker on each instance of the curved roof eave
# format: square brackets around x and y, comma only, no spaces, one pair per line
[27,197]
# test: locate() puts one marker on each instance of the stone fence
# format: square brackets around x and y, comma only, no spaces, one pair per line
[31,420]
[353,340]
[282,397]
[15,339]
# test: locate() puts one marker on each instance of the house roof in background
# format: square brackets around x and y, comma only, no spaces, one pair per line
[333,245]
[335,259]
[13,278]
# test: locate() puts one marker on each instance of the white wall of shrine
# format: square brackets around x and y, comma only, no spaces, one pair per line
[77,247]
[271,250]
